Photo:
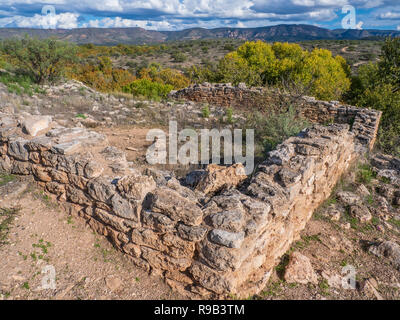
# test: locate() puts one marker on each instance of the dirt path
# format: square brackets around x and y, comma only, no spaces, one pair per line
[36,232]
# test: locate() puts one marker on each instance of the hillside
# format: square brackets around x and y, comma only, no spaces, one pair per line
[114,36]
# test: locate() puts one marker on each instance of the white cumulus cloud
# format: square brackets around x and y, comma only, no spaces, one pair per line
[58,21]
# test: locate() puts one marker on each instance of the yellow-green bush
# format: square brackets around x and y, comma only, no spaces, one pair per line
[280,64]
[165,76]
[102,76]
[41,60]
[148,89]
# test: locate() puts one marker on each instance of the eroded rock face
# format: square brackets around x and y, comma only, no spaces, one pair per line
[300,270]
[136,186]
[387,250]
[218,178]
[175,206]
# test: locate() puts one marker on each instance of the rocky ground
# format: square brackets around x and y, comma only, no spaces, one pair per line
[36,232]
[357,228]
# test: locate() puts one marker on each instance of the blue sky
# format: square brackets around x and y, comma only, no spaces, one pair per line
[183,14]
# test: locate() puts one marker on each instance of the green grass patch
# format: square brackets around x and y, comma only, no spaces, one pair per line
[365,174]
[395,223]
[305,242]
[6,219]
[6,178]
[80,115]
[273,289]
[385,180]
[324,287]
[19,84]
[205,112]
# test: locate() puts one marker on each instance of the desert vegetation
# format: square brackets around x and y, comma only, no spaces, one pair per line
[131,93]
[366,75]
[377,86]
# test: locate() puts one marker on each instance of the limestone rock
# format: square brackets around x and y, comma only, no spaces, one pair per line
[160,177]
[227,239]
[164,262]
[157,221]
[228,220]
[389,250]
[218,178]
[136,186]
[101,189]
[194,177]
[191,233]
[178,208]
[114,154]
[33,124]
[333,213]
[361,189]
[349,198]
[123,208]
[361,212]
[18,149]
[113,283]
[300,270]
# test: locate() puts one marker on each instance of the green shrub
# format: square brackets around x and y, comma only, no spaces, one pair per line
[365,174]
[229,115]
[19,84]
[148,89]
[377,86]
[205,112]
[274,128]
[42,60]
[318,73]
[178,57]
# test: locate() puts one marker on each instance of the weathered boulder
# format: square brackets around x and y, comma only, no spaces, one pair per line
[136,187]
[157,221]
[123,208]
[33,124]
[194,177]
[361,212]
[178,208]
[333,213]
[349,198]
[218,178]
[389,250]
[300,270]
[101,189]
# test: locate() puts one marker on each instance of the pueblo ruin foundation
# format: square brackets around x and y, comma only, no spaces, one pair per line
[222,233]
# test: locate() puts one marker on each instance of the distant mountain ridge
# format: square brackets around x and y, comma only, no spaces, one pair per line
[113,36]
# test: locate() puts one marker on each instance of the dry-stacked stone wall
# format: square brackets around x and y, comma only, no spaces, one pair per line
[215,239]
[364,122]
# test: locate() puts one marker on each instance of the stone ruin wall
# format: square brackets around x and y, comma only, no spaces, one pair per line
[208,240]
[364,122]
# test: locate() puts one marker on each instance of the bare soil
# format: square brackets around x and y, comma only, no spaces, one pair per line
[40,233]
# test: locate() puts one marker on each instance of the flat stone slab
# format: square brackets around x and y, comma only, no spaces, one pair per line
[34,124]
